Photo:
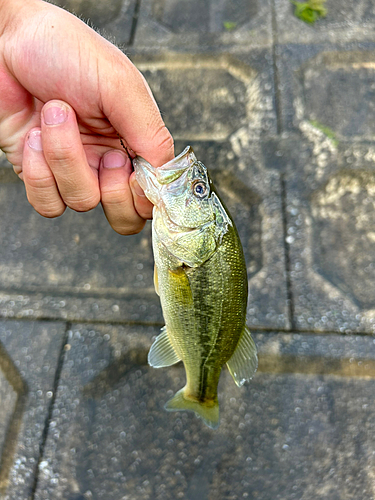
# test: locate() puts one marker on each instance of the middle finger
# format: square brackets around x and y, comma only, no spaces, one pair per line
[63,150]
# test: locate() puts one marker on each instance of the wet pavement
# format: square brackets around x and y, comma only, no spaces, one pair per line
[282,113]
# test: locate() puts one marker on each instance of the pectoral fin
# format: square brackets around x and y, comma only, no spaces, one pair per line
[244,361]
[179,283]
[162,352]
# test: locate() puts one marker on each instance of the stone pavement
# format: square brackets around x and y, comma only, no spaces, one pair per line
[283,114]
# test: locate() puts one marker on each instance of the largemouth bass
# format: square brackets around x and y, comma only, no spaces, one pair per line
[200,276]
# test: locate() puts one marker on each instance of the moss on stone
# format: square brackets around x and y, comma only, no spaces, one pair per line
[309,11]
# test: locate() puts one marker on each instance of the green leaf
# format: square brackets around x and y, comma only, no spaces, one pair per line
[310,11]
[229,25]
[326,131]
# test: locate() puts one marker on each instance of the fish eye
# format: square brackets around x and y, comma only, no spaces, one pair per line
[200,189]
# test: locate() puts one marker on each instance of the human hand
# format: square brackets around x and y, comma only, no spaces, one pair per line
[65,93]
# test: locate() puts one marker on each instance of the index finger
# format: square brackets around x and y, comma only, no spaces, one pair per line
[132,110]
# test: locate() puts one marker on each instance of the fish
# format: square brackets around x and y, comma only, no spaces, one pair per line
[200,276]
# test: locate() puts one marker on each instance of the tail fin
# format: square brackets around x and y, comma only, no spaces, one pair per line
[208,412]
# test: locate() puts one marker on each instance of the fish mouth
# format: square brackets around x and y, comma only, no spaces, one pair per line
[173,169]
[151,179]
[169,176]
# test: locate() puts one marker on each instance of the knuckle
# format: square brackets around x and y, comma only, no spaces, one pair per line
[17,169]
[113,196]
[164,140]
[49,210]
[52,213]
[39,183]
[128,229]
[60,154]
[83,204]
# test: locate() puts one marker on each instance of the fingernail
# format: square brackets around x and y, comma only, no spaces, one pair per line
[137,189]
[55,115]
[114,159]
[34,140]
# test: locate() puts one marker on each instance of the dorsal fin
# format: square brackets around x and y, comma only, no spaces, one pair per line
[244,361]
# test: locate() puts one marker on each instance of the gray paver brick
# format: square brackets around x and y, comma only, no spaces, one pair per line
[346,21]
[326,98]
[213,95]
[330,218]
[70,267]
[330,85]
[330,211]
[28,361]
[342,78]
[187,24]
[6,171]
[286,435]
[122,307]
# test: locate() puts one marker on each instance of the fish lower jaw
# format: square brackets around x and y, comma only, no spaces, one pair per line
[177,229]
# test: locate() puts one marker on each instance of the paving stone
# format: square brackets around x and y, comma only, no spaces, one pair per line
[345,21]
[51,276]
[6,171]
[212,96]
[3,161]
[330,211]
[286,435]
[328,85]
[29,354]
[122,307]
[329,189]
[113,18]
[72,267]
[181,24]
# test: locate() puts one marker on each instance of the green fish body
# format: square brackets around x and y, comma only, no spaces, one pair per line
[200,276]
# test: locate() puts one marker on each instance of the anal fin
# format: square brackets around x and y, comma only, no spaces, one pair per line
[244,361]
[162,352]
